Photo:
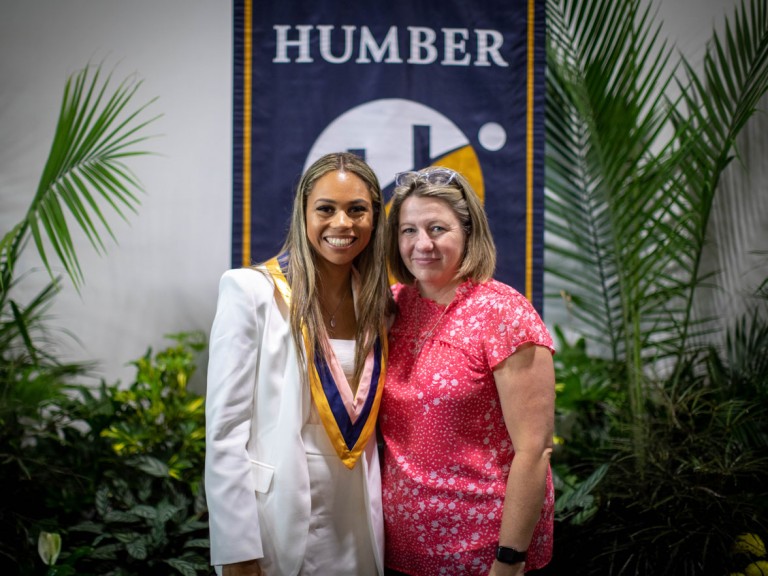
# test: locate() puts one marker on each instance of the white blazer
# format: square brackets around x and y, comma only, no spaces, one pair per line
[256,476]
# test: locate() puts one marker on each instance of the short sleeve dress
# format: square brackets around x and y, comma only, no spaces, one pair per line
[447,450]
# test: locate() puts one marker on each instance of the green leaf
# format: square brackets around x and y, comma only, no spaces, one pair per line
[88,526]
[182,566]
[137,548]
[120,517]
[108,552]
[144,511]
[166,511]
[150,465]
[192,525]
[579,499]
[125,537]
[198,543]
[95,128]
[632,175]
[102,500]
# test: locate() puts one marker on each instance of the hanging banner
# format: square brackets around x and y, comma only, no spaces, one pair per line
[403,85]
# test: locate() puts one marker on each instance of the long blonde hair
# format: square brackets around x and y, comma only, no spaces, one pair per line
[374,299]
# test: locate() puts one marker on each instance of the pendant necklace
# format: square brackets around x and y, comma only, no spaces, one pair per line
[332,320]
[422,339]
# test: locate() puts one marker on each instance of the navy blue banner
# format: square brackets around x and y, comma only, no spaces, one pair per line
[404,85]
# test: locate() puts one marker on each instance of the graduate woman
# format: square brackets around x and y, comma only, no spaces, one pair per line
[297,365]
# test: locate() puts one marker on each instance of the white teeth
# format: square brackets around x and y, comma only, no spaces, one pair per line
[339,242]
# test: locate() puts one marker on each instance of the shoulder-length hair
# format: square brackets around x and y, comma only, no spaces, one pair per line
[479,260]
[374,298]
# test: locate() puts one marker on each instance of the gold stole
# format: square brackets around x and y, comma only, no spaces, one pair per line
[347,436]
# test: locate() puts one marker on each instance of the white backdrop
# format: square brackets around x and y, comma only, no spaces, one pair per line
[163,275]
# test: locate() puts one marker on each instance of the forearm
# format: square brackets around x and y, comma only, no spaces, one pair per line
[526,386]
[526,489]
[247,568]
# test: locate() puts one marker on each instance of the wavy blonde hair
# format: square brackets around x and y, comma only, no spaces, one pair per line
[374,298]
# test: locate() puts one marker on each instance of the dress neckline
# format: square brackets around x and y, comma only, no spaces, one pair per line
[461,291]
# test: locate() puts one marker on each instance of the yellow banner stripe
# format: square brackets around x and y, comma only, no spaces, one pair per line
[247,114]
[529,153]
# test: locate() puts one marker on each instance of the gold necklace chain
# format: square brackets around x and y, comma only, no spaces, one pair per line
[423,339]
[332,320]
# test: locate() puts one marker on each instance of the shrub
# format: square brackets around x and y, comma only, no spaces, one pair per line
[117,472]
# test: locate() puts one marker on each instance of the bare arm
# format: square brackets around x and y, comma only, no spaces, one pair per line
[247,568]
[526,385]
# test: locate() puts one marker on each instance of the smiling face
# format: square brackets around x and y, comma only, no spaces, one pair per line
[339,218]
[431,242]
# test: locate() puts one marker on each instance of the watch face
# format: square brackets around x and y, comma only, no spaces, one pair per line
[509,555]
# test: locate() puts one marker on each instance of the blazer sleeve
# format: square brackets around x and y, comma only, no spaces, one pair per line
[229,485]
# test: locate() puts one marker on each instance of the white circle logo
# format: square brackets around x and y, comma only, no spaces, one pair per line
[492,136]
[395,135]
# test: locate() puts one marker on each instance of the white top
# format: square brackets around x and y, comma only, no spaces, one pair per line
[344,350]
[345,354]
[256,472]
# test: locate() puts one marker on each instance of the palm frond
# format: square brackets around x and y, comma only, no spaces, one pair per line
[631,177]
[83,173]
[604,117]
[627,203]
[713,109]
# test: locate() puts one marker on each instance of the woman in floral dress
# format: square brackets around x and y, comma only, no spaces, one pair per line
[467,414]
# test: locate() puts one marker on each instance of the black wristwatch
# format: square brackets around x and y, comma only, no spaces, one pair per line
[510,555]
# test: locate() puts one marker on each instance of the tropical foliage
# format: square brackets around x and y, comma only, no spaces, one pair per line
[637,144]
[102,481]
[113,476]
[96,132]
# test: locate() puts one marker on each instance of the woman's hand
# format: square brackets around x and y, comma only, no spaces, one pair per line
[246,568]
[501,569]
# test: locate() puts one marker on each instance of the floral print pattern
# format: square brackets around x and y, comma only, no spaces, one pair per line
[448,452]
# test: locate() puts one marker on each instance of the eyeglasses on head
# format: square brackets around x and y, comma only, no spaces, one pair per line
[437,176]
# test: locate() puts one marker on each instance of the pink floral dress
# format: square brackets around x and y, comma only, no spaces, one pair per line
[447,449]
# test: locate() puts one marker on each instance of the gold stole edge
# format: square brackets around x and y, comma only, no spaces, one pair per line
[348,456]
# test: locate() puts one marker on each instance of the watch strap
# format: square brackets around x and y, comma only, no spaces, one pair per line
[508,555]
